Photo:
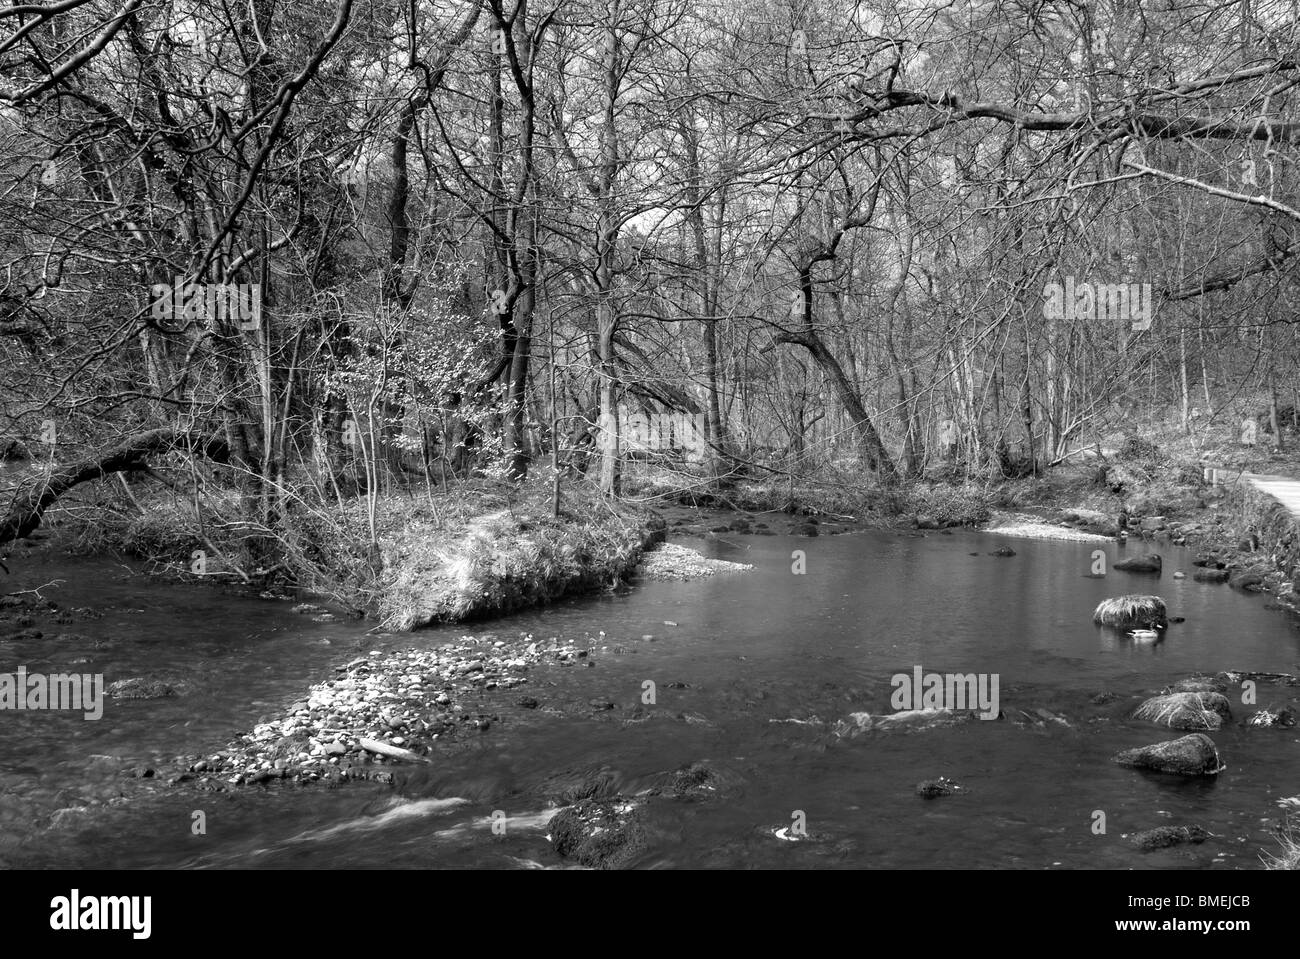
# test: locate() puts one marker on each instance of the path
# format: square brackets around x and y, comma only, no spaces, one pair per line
[1282,488]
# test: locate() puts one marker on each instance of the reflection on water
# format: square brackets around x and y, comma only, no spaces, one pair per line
[749,680]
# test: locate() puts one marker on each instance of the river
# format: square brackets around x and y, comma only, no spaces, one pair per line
[748,680]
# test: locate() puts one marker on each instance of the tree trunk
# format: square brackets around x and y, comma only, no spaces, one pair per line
[40,493]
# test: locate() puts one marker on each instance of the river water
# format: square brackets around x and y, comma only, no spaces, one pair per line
[748,680]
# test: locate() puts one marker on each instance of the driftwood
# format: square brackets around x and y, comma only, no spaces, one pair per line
[392,752]
[33,498]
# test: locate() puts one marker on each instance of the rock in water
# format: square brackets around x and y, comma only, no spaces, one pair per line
[1252,579]
[1186,710]
[1267,717]
[599,833]
[141,688]
[934,788]
[1151,563]
[1193,755]
[1163,836]
[1198,684]
[1132,612]
[1207,575]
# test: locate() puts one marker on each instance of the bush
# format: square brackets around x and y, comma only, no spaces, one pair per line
[953,505]
[1136,449]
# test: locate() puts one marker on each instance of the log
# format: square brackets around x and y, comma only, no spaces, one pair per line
[37,495]
[392,752]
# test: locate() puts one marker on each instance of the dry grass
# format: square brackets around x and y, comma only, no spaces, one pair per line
[1132,612]
[1289,856]
[472,565]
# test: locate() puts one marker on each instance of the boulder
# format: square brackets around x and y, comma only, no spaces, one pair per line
[1164,836]
[1211,575]
[1186,710]
[1151,563]
[599,833]
[1192,755]
[1251,579]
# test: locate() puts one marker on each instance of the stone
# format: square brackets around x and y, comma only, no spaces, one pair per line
[1186,710]
[1192,755]
[1151,563]
[599,833]
[934,788]
[1164,836]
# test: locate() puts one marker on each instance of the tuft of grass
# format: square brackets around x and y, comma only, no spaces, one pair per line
[1125,612]
[1289,855]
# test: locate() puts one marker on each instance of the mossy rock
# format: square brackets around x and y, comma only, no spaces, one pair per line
[599,833]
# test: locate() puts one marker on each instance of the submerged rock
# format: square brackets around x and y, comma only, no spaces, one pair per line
[599,833]
[1193,755]
[910,719]
[139,687]
[693,782]
[1211,575]
[1269,717]
[1198,684]
[1164,836]
[934,788]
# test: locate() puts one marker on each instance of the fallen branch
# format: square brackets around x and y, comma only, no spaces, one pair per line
[34,498]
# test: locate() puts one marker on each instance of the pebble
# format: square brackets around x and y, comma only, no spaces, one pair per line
[371,698]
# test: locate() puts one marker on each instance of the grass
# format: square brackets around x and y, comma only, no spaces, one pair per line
[1144,612]
[505,559]
[1289,855]
[484,547]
